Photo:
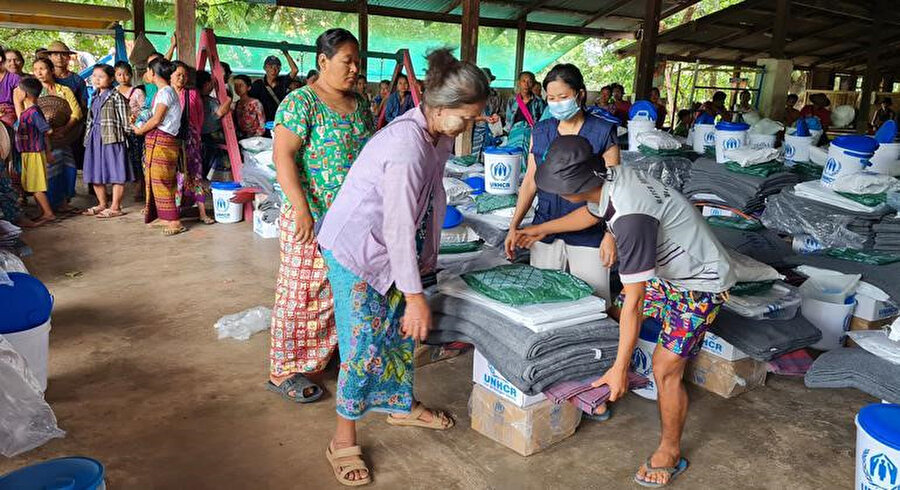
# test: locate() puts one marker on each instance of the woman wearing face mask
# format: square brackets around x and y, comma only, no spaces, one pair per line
[382,230]
[587,254]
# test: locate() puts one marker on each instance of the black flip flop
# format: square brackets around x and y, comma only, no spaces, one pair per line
[680,467]
[298,384]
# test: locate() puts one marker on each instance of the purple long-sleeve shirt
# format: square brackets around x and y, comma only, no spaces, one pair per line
[372,224]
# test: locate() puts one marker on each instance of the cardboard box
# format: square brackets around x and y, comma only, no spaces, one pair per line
[524,430]
[871,309]
[263,229]
[725,378]
[484,374]
[719,347]
[857,323]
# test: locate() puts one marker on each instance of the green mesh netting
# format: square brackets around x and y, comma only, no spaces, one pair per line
[518,284]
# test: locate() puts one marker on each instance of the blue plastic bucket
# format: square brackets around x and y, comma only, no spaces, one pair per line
[730,136]
[75,473]
[878,447]
[225,210]
[27,305]
[847,155]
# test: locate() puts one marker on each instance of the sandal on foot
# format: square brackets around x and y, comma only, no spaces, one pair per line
[598,417]
[173,231]
[298,384]
[673,472]
[440,420]
[208,221]
[92,211]
[346,461]
[110,213]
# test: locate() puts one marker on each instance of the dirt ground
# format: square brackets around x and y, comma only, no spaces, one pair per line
[139,381]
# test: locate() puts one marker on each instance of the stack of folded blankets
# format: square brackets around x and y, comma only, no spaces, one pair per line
[833,220]
[533,346]
[711,181]
[856,368]
[763,245]
[10,235]
[765,340]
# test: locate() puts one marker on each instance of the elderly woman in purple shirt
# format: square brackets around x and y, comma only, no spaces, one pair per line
[381,232]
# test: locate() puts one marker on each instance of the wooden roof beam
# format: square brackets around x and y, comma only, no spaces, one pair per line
[829,7]
[604,12]
[531,7]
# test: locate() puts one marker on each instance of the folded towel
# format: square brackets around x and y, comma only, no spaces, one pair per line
[585,396]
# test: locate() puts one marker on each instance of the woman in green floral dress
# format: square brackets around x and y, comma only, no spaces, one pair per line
[319,131]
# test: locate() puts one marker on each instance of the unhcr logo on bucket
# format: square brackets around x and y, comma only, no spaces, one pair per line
[731,144]
[221,205]
[789,151]
[710,138]
[881,473]
[832,168]
[500,171]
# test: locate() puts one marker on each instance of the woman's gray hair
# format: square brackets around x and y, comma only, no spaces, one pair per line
[452,83]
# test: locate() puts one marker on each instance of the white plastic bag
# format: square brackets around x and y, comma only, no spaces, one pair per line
[866,183]
[459,234]
[456,190]
[26,420]
[658,140]
[877,342]
[830,286]
[766,126]
[748,157]
[751,117]
[842,116]
[242,325]
[256,144]
[747,269]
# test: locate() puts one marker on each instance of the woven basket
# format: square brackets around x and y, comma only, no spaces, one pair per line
[56,110]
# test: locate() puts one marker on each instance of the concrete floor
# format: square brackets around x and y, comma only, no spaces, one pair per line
[139,381]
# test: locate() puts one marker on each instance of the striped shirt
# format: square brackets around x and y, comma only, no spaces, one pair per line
[31,130]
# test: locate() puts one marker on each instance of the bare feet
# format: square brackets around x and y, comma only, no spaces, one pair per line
[24,222]
[44,219]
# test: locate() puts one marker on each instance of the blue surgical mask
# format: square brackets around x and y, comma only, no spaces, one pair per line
[564,109]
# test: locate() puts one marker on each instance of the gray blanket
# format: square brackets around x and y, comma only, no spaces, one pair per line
[763,245]
[856,368]
[532,377]
[742,191]
[525,343]
[767,339]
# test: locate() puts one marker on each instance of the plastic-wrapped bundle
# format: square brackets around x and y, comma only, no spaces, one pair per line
[672,171]
[787,213]
[259,171]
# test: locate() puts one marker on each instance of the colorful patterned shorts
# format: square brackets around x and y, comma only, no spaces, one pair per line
[685,315]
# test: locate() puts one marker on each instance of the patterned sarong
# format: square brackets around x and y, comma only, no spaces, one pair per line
[160,160]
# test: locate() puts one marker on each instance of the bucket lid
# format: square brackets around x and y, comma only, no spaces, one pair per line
[857,143]
[705,118]
[27,303]
[643,109]
[452,218]
[476,183]
[225,186]
[603,114]
[882,422]
[75,473]
[503,150]
[732,126]
[887,132]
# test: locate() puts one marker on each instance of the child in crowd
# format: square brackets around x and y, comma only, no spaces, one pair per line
[384,91]
[685,119]
[249,114]
[214,109]
[33,144]
[105,156]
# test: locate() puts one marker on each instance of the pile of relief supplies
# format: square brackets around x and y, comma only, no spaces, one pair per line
[662,156]
[258,173]
[483,214]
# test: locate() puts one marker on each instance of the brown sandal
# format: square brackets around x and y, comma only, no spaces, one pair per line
[344,462]
[173,231]
[440,420]
[110,213]
[93,211]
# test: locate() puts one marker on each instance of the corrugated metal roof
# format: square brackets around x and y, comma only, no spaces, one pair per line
[828,34]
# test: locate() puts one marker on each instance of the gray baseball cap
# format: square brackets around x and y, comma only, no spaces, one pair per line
[570,167]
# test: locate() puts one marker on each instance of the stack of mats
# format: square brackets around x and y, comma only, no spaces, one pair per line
[887,235]
[763,245]
[532,346]
[741,191]
[856,368]
[830,225]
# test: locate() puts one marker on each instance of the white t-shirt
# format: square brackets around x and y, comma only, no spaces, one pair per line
[171,123]
[660,234]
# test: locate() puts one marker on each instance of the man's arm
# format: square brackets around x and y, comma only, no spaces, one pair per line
[291,63]
[630,320]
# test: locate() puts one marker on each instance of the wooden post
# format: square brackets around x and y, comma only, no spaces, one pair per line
[779,33]
[363,36]
[186,30]
[520,49]
[873,74]
[468,52]
[138,18]
[646,58]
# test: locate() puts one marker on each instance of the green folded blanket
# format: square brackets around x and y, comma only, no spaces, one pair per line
[736,222]
[485,203]
[461,248]
[519,284]
[865,257]
[807,170]
[761,170]
[465,161]
[870,200]
[646,150]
